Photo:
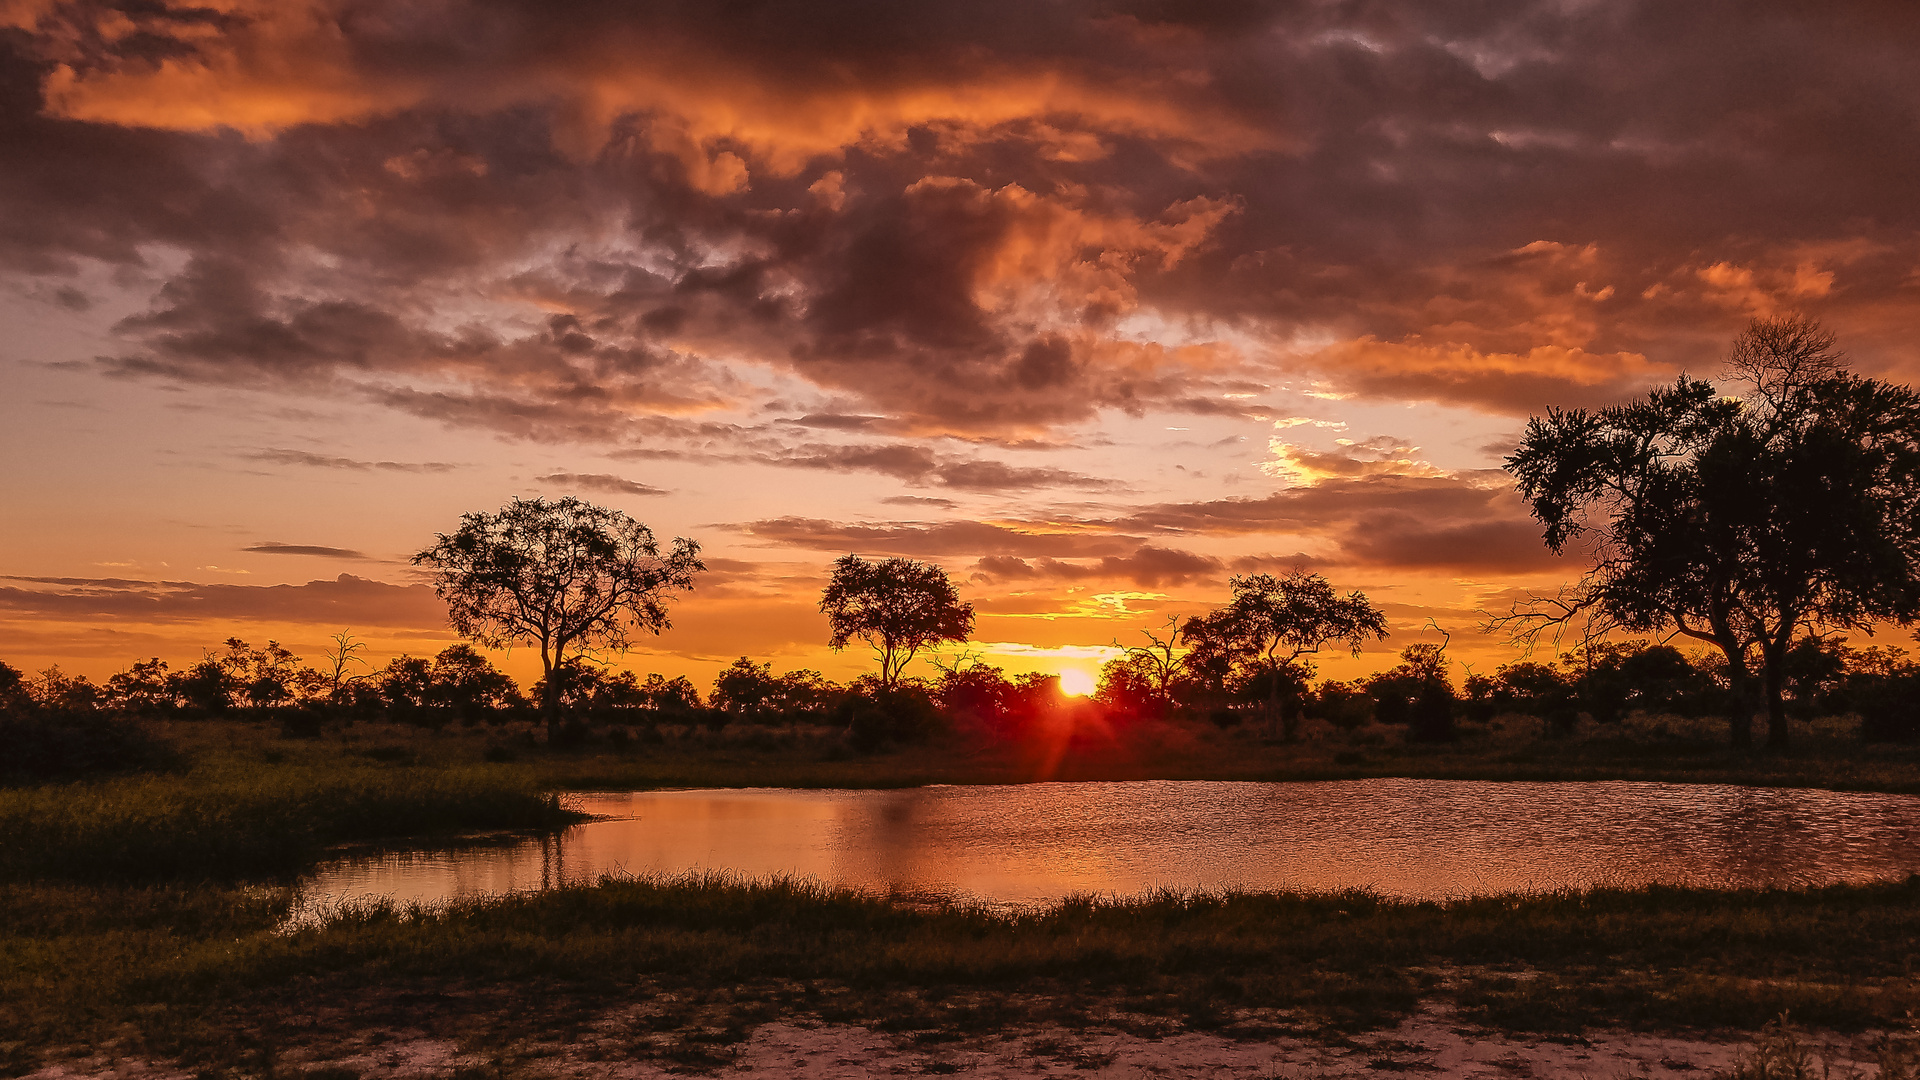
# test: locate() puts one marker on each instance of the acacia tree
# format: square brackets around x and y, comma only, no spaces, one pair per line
[897,606]
[1272,622]
[565,575]
[1737,521]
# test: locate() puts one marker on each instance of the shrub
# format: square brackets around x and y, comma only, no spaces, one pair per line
[1889,708]
[37,746]
[876,716]
[1343,705]
[1432,717]
[301,722]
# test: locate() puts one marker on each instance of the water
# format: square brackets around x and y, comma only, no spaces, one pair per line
[1424,839]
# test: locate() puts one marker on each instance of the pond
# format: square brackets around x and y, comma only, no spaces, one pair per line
[1031,843]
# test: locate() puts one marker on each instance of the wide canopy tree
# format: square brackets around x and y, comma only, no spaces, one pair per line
[1272,622]
[566,575]
[1740,521]
[897,606]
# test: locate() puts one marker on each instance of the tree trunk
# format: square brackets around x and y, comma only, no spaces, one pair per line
[1740,707]
[1739,686]
[1777,736]
[550,697]
[1276,724]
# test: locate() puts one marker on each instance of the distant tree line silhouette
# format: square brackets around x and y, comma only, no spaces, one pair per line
[53,722]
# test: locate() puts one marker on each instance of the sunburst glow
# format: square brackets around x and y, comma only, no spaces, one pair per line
[1076,682]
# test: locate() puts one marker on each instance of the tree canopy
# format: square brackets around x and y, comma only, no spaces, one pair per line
[1740,521]
[565,575]
[1281,619]
[897,606]
[1271,623]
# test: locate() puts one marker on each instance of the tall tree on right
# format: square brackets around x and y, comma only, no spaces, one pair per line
[1788,505]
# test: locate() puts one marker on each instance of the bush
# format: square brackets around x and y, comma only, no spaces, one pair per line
[1432,716]
[40,746]
[1343,705]
[301,722]
[875,716]
[1889,708]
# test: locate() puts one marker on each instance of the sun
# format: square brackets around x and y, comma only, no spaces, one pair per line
[1076,683]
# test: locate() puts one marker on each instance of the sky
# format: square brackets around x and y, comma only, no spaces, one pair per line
[1094,304]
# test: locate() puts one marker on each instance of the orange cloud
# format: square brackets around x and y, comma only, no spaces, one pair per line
[1458,373]
[282,64]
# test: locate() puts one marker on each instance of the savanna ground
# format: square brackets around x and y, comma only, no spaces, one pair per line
[144,930]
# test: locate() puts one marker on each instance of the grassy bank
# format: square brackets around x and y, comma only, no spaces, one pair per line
[200,973]
[231,819]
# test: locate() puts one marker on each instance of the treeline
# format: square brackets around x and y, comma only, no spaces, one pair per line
[461,686]
[1601,681]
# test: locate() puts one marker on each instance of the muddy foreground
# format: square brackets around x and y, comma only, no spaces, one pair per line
[618,1046]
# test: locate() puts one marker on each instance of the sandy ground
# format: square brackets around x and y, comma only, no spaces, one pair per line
[1427,1044]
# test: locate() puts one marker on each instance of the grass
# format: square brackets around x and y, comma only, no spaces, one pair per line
[228,820]
[203,973]
[1780,1054]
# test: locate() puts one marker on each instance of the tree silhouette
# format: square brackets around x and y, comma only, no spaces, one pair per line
[1156,665]
[565,575]
[897,606]
[1737,521]
[1273,622]
[341,659]
[744,688]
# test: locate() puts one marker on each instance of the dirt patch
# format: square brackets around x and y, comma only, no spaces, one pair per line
[619,1045]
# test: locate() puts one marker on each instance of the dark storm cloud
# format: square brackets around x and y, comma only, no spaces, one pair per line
[606,483]
[956,220]
[343,601]
[303,549]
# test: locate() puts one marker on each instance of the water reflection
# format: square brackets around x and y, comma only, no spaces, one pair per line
[1038,842]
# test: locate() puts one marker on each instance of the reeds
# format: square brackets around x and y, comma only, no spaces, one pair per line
[237,822]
